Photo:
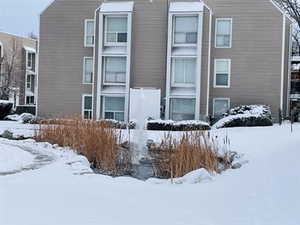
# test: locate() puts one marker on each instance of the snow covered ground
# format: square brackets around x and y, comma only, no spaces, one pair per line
[65,192]
[13,159]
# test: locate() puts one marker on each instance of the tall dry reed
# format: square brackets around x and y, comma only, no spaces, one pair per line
[176,157]
[98,141]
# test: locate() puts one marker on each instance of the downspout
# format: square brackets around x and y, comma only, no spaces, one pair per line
[282,62]
[289,72]
[209,60]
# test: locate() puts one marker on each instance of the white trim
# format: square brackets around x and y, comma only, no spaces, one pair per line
[216,26]
[209,61]
[199,66]
[229,73]
[222,99]
[100,63]
[198,55]
[86,21]
[82,104]
[282,62]
[83,71]
[121,6]
[169,62]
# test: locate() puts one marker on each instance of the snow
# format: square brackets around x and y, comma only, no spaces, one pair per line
[179,123]
[13,159]
[264,191]
[117,7]
[29,49]
[186,6]
[5,102]
[17,128]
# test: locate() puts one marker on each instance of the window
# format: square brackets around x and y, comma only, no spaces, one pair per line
[184,71]
[29,100]
[221,106]
[89,34]
[115,30]
[222,73]
[115,69]
[185,30]
[30,81]
[88,70]
[87,107]
[114,108]
[223,33]
[31,61]
[182,109]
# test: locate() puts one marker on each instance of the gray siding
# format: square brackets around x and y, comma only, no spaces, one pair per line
[61,57]
[255,54]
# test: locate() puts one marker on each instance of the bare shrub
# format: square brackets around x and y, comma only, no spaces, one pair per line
[98,141]
[194,150]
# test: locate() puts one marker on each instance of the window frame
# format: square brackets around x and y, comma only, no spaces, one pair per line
[181,97]
[27,102]
[110,44]
[216,27]
[104,70]
[30,83]
[30,55]
[229,73]
[84,67]
[220,99]
[113,96]
[83,110]
[174,25]
[174,84]
[86,21]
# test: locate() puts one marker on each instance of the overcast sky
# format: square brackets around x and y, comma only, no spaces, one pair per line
[21,16]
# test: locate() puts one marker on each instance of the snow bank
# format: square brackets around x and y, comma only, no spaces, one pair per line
[13,158]
[23,118]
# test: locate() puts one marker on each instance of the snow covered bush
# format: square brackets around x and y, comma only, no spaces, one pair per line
[98,141]
[23,118]
[246,116]
[194,150]
[170,125]
[5,108]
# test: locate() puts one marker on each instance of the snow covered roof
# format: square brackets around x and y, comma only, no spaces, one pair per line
[186,6]
[29,49]
[117,7]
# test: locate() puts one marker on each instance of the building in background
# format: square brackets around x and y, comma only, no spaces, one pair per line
[18,71]
[203,57]
[295,87]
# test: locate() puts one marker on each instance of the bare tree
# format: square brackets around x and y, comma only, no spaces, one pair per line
[10,71]
[292,8]
[32,35]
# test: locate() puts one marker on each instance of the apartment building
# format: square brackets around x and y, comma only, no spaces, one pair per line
[18,70]
[203,57]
